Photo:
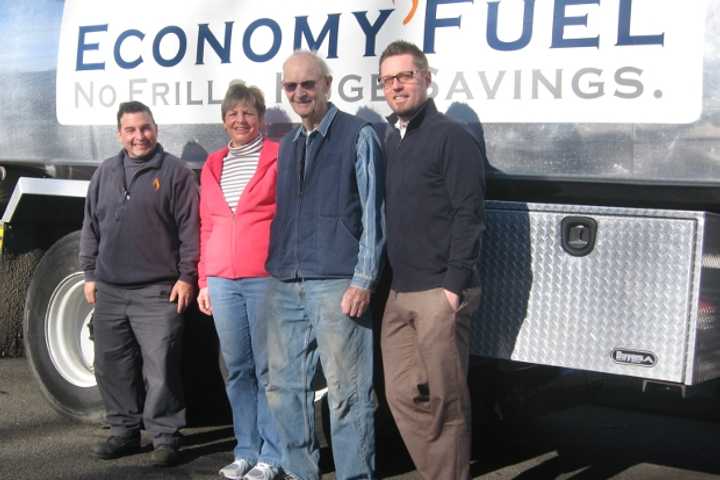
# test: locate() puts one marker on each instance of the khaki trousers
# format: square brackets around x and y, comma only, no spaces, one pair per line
[425,348]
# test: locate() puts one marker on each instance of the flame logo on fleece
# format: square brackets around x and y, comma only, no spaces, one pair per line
[156,184]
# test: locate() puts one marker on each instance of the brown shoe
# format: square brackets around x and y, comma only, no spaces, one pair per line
[165,456]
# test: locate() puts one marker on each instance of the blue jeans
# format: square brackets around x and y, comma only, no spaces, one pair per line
[305,324]
[238,311]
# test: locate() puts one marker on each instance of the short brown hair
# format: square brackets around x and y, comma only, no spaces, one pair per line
[133,107]
[401,47]
[238,92]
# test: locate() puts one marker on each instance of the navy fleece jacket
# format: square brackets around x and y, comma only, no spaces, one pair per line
[434,199]
[144,229]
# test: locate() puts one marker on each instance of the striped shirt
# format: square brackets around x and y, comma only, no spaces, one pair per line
[238,168]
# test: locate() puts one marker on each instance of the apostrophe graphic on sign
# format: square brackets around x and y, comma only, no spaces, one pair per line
[411,13]
[156,184]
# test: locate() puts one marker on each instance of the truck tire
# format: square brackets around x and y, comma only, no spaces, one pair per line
[57,338]
[15,272]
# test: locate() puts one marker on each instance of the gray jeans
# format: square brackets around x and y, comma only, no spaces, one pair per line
[138,348]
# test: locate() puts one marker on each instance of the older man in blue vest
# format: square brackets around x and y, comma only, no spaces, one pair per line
[326,246]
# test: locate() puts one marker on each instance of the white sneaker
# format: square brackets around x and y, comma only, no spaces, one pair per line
[236,470]
[261,471]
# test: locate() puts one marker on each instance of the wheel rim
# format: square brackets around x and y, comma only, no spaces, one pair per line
[67,334]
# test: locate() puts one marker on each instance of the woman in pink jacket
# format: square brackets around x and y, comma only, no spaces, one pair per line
[237,204]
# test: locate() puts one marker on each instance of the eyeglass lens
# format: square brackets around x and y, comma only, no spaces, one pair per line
[306,85]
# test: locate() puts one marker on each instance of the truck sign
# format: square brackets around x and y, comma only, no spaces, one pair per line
[635,61]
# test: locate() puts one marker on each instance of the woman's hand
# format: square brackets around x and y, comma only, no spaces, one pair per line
[203,301]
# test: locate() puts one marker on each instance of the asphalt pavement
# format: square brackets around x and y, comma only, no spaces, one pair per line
[585,442]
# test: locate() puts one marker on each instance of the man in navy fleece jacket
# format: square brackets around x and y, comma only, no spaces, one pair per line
[434,188]
[139,251]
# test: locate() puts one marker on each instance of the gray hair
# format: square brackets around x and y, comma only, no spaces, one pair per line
[324,69]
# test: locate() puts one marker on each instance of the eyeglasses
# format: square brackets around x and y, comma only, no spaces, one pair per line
[403,77]
[306,85]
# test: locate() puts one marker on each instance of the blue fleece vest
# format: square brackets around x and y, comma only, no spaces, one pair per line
[317,225]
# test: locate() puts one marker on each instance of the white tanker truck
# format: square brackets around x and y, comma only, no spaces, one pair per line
[601,122]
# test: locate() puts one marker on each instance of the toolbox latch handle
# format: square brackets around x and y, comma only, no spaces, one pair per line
[578,235]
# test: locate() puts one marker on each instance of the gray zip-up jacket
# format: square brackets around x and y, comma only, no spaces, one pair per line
[144,229]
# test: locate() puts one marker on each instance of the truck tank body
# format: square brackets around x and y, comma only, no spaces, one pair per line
[598,110]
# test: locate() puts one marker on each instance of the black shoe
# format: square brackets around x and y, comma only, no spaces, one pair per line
[165,456]
[116,447]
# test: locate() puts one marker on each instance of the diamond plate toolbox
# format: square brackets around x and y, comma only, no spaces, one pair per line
[641,302]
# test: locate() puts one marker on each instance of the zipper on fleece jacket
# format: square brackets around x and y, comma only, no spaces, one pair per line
[127,188]
[298,270]
[233,244]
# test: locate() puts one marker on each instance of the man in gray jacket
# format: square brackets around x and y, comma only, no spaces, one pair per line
[139,251]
